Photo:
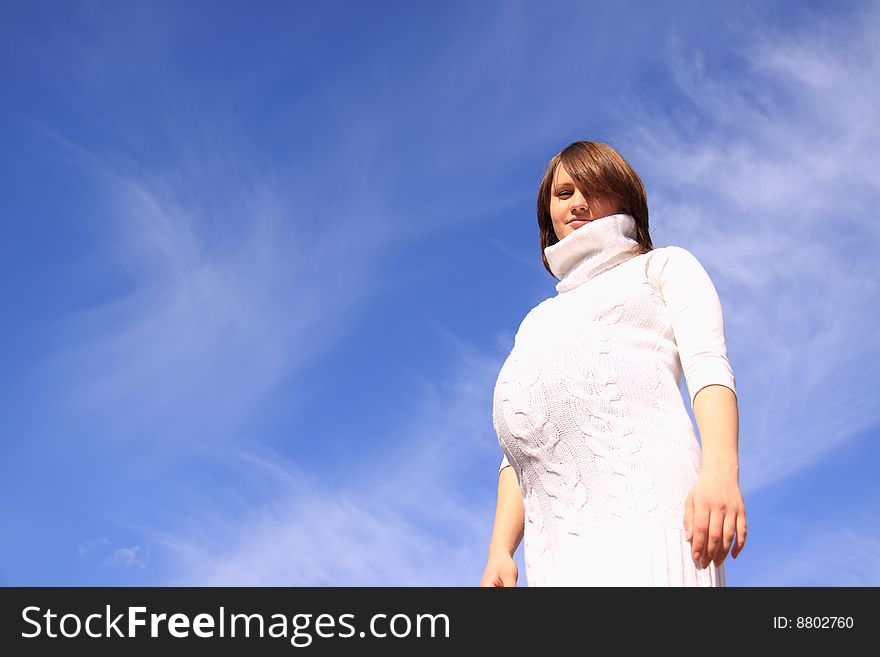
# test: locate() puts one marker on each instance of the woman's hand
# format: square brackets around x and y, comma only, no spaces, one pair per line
[500,570]
[713,512]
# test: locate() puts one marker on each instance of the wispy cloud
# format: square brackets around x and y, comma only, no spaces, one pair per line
[771,179]
[89,545]
[129,556]
[416,514]
[221,302]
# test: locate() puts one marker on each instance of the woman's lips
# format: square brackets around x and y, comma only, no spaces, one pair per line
[577,223]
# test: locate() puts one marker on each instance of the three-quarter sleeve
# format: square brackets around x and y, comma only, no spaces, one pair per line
[696,316]
[504,464]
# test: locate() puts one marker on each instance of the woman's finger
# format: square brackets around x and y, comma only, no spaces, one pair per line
[740,533]
[727,535]
[716,525]
[700,530]
[688,517]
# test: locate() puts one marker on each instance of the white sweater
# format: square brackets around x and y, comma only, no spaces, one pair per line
[588,410]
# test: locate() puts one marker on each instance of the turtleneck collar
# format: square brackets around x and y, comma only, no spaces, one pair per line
[591,249]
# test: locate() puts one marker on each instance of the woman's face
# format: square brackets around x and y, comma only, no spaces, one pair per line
[569,209]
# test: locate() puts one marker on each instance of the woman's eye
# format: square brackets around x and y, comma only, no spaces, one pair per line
[563,193]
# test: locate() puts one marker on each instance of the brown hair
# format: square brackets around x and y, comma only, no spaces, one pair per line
[598,171]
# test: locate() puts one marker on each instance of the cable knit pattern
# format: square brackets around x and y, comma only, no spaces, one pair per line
[588,410]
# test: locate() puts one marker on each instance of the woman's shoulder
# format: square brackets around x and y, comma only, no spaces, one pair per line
[669,251]
[662,260]
[533,315]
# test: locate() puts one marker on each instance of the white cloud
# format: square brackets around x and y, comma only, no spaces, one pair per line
[89,545]
[129,556]
[405,518]
[225,297]
[772,181]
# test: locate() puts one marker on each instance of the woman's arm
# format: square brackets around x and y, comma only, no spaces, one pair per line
[714,509]
[509,515]
[717,416]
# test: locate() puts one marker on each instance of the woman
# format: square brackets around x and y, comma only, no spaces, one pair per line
[602,474]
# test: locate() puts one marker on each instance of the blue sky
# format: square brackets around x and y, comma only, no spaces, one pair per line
[262,262]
